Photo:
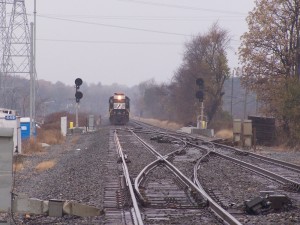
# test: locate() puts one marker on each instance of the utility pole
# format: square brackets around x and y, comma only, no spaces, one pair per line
[2,39]
[34,47]
[231,103]
[256,106]
[245,103]
[32,122]
[297,63]
[298,60]
[34,64]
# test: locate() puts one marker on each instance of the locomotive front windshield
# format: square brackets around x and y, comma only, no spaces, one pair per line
[119,102]
[119,108]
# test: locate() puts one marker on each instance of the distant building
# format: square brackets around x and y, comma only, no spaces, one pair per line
[4,112]
[9,119]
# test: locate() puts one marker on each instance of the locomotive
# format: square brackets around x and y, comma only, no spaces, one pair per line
[119,108]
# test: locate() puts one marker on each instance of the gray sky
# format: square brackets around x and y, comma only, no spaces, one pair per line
[126,41]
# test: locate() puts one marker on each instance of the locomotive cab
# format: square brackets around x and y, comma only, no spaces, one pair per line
[119,107]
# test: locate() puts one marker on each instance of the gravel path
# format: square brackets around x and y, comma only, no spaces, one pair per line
[78,174]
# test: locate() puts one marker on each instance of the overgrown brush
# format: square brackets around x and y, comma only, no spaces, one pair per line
[31,146]
[51,136]
[163,124]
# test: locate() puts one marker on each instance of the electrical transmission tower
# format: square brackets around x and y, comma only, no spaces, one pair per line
[3,34]
[16,57]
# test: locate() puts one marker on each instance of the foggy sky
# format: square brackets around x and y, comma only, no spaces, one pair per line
[126,41]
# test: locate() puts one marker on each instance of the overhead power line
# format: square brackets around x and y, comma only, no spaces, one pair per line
[184,7]
[111,42]
[115,26]
[139,18]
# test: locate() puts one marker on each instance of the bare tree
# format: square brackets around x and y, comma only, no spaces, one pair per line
[205,57]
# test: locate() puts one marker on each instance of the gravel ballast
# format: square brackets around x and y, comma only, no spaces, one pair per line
[78,174]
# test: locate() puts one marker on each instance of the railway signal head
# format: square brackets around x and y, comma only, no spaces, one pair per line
[78,82]
[78,94]
[200,92]
[200,83]
[200,96]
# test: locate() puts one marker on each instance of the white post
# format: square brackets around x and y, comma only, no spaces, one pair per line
[200,121]
[63,125]
[77,105]
[202,109]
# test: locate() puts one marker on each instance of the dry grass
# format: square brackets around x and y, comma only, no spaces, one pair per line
[279,149]
[162,124]
[18,167]
[52,121]
[225,134]
[45,165]
[31,146]
[50,137]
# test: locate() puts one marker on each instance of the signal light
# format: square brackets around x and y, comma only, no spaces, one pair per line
[78,82]
[200,93]
[200,83]
[78,94]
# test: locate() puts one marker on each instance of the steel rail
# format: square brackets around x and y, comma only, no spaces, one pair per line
[287,165]
[137,215]
[290,166]
[259,170]
[218,210]
[141,176]
[254,168]
[212,204]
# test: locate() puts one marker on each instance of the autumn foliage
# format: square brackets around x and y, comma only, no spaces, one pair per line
[270,53]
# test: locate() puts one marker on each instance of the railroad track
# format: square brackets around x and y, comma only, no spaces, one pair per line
[163,190]
[285,173]
[115,191]
[156,188]
[261,174]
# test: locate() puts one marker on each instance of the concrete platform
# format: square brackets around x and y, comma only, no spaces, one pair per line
[195,130]
[76,130]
